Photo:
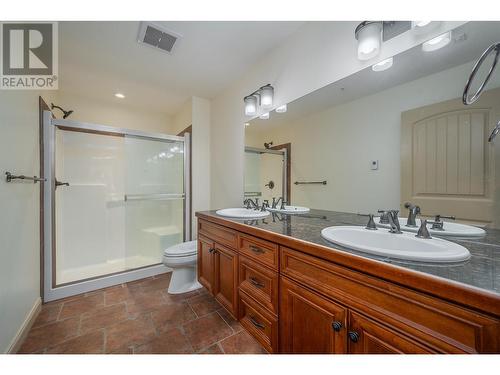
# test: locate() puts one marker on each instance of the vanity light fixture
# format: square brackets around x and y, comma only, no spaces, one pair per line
[250,105]
[369,37]
[438,42]
[281,109]
[383,65]
[266,96]
[264,116]
[120,95]
[422,27]
[263,97]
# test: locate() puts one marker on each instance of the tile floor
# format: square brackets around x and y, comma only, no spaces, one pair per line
[138,317]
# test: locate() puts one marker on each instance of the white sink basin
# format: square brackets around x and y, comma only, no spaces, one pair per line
[451,229]
[242,213]
[398,246]
[290,210]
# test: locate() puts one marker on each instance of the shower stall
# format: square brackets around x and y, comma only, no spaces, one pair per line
[114,200]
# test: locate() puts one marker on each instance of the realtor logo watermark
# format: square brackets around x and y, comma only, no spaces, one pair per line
[28,56]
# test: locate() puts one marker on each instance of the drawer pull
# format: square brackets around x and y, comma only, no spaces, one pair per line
[337,326]
[256,249]
[256,323]
[211,250]
[354,336]
[256,282]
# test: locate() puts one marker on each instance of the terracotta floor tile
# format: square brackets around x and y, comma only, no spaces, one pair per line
[175,298]
[170,316]
[170,342]
[91,343]
[167,275]
[117,295]
[141,302]
[129,332]
[241,343]
[155,284]
[233,323]
[203,305]
[214,349]
[103,317]
[207,330]
[50,335]
[82,305]
[48,314]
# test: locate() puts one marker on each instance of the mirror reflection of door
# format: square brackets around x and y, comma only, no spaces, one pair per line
[448,165]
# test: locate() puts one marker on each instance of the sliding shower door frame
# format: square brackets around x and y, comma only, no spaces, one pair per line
[52,291]
[284,175]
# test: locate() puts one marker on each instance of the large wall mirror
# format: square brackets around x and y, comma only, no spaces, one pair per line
[378,139]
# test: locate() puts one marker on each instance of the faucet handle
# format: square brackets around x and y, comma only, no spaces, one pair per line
[423,232]
[371,223]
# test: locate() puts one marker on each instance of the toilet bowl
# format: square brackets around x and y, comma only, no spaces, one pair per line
[182,259]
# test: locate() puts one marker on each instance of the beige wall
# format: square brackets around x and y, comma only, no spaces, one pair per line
[118,113]
[338,144]
[19,205]
[183,118]
[327,53]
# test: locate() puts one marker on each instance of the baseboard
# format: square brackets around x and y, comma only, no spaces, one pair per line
[21,334]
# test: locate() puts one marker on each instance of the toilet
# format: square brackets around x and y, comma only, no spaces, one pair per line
[182,259]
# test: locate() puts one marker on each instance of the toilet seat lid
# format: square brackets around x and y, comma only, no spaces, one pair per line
[182,250]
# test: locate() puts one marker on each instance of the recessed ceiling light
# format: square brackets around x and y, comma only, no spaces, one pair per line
[120,95]
[264,116]
[383,65]
[281,109]
[437,42]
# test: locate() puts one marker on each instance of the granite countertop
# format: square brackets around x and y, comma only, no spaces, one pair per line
[482,270]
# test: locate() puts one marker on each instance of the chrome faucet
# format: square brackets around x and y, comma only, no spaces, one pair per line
[392,215]
[278,201]
[413,211]
[250,203]
[265,204]
[438,224]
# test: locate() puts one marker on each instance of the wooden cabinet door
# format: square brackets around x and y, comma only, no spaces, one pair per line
[310,323]
[226,278]
[365,336]
[206,263]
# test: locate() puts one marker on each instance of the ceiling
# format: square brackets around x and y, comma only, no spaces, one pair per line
[98,59]
[408,66]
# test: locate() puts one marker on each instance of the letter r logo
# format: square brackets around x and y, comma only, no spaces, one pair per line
[27,49]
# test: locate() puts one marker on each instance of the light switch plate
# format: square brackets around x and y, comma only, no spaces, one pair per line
[374,165]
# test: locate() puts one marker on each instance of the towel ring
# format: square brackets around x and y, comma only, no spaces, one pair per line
[465,97]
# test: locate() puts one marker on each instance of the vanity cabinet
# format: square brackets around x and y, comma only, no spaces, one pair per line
[366,336]
[298,297]
[310,323]
[218,264]
[225,288]
[205,261]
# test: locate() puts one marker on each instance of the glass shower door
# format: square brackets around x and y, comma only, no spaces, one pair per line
[114,202]
[154,199]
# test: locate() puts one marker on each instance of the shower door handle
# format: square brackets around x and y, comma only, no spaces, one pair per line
[58,183]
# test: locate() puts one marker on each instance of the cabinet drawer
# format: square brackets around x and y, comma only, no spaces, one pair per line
[441,326]
[259,323]
[261,251]
[218,233]
[260,283]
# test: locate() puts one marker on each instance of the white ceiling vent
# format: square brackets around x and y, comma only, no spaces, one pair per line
[157,37]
